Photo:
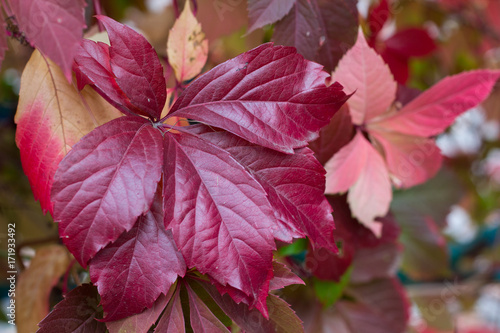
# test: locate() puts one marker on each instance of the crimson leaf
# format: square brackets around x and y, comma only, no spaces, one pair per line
[77,313]
[270,96]
[294,185]
[54,27]
[146,261]
[219,215]
[105,182]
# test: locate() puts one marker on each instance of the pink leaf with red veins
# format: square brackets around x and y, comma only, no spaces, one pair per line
[219,214]
[145,259]
[361,169]
[411,160]
[270,96]
[54,27]
[105,183]
[435,109]
[363,72]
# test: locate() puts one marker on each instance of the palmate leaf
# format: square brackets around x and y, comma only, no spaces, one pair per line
[223,208]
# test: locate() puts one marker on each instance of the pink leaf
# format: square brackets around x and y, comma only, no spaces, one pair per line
[262,12]
[360,168]
[219,214]
[78,312]
[137,69]
[294,185]
[53,27]
[202,319]
[270,96]
[105,182]
[145,259]
[172,320]
[411,160]
[363,72]
[435,109]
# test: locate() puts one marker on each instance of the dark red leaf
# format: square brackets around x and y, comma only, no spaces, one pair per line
[219,214]
[326,265]
[93,66]
[77,313]
[321,30]
[411,42]
[3,40]
[282,318]
[262,12]
[137,69]
[270,96]
[333,136]
[381,307]
[141,264]
[202,319]
[294,185]
[105,183]
[172,320]
[142,322]
[54,27]
[374,263]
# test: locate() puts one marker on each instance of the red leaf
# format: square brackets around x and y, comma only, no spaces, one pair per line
[283,277]
[145,259]
[93,66]
[262,12]
[436,108]
[137,69]
[321,30]
[270,96]
[282,318]
[202,319]
[294,185]
[381,307]
[410,42]
[53,27]
[78,312]
[3,41]
[142,322]
[105,182]
[377,18]
[219,214]
[374,263]
[172,320]
[333,136]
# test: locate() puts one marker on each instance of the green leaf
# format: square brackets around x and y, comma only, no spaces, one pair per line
[329,292]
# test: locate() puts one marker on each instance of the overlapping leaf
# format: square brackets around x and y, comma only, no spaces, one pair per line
[78,312]
[51,117]
[147,261]
[321,30]
[262,12]
[219,204]
[55,28]
[403,148]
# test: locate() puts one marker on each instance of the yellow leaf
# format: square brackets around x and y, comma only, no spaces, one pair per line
[187,48]
[51,117]
[35,284]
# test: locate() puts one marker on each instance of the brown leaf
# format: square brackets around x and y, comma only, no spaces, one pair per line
[34,285]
